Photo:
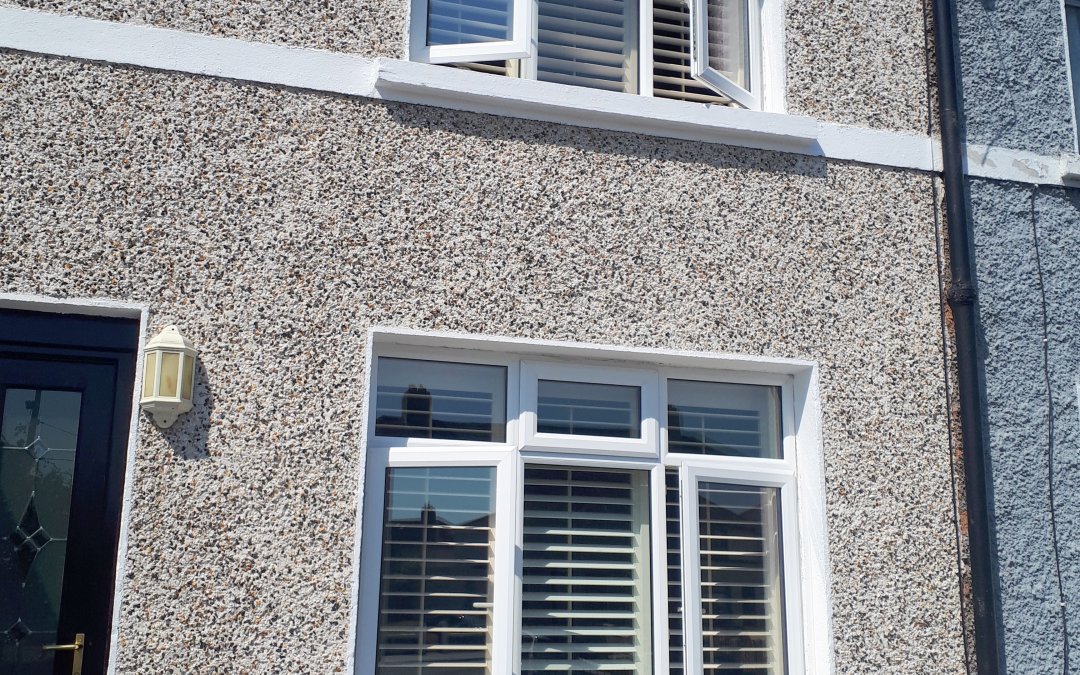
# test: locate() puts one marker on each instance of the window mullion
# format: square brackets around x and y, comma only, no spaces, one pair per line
[645,48]
[691,571]
[506,626]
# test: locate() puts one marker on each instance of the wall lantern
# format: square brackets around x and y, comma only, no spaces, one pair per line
[168,376]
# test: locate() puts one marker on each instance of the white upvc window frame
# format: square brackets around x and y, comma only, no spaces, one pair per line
[699,55]
[804,558]
[534,371]
[517,47]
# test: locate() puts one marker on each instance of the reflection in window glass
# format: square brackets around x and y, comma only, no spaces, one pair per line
[586,409]
[437,572]
[437,399]
[712,418]
[741,626]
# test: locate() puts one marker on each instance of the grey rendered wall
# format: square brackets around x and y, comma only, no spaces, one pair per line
[276,226]
[858,62]
[1017,230]
[1014,72]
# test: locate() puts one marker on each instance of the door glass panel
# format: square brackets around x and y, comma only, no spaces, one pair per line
[38,434]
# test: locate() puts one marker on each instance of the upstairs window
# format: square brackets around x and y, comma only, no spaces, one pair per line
[532,516]
[706,51]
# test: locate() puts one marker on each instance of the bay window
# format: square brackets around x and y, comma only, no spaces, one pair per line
[706,51]
[536,515]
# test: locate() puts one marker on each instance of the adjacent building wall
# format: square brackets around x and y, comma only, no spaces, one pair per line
[275,226]
[1016,96]
[1027,252]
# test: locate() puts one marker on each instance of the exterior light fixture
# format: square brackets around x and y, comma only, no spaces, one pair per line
[168,376]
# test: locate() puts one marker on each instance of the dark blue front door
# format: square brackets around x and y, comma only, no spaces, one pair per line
[65,404]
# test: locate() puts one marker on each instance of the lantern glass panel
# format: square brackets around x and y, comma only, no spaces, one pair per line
[149,374]
[170,374]
[189,377]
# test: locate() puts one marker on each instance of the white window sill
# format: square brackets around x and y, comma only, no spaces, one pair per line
[545,101]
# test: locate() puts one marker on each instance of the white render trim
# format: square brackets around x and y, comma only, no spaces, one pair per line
[396,80]
[104,307]
[185,52]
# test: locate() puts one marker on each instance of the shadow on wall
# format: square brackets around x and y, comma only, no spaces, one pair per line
[189,435]
[602,141]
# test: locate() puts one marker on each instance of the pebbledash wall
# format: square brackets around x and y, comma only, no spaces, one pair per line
[275,226]
[1015,76]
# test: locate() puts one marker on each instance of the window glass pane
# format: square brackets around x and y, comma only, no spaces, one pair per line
[437,572]
[586,43]
[585,572]
[729,40]
[436,399]
[586,409]
[454,22]
[713,418]
[674,574]
[741,626]
[671,55]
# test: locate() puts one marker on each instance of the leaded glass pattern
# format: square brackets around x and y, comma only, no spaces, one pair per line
[38,436]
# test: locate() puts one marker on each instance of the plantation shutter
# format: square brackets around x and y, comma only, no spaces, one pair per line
[671,56]
[585,572]
[676,644]
[587,43]
[741,617]
[723,45]
[459,31]
[437,574]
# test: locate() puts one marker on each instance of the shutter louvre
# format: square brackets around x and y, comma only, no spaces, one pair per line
[741,611]
[437,572]
[671,56]
[587,43]
[585,571]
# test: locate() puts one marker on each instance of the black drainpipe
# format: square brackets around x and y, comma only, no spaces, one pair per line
[961,298]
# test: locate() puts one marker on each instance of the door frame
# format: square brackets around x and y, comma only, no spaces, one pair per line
[107,308]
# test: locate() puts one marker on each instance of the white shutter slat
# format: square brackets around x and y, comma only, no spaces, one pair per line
[671,56]
[674,574]
[584,571]
[586,44]
[741,616]
[437,573]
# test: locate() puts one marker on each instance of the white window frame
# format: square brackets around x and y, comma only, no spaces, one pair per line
[517,47]
[534,371]
[767,70]
[804,555]
[699,55]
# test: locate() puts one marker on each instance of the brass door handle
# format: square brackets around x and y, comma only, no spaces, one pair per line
[77,647]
